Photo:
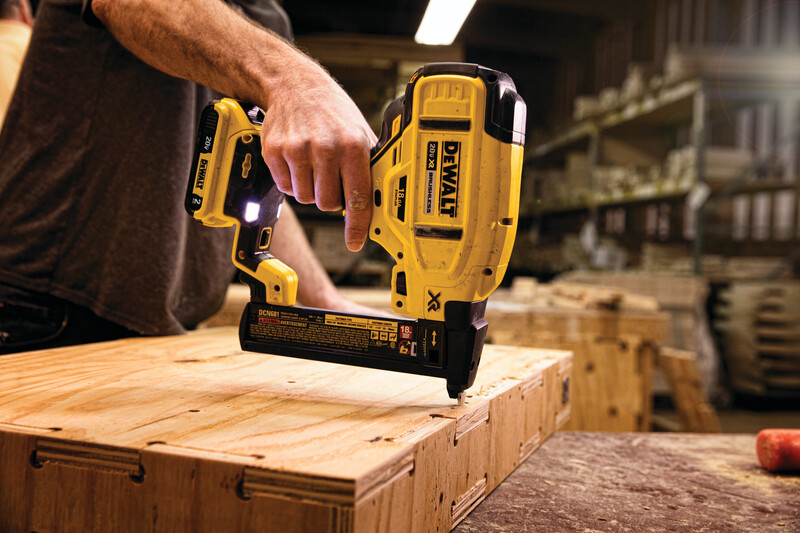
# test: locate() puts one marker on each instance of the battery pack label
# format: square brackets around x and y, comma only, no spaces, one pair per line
[331,331]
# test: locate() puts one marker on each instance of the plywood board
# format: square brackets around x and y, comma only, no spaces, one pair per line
[189,433]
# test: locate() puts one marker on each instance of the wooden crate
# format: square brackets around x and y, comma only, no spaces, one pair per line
[684,298]
[613,352]
[189,433]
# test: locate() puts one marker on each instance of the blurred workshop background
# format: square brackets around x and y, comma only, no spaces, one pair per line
[659,230]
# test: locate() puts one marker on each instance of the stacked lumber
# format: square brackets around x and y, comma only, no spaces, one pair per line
[586,106]
[744,268]
[669,291]
[566,295]
[546,186]
[759,327]
[684,298]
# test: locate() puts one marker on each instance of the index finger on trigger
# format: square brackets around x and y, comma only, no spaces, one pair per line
[357,186]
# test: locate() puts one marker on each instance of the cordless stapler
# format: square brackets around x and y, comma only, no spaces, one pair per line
[445,189]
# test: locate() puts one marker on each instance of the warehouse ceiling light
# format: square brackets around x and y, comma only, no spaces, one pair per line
[442,20]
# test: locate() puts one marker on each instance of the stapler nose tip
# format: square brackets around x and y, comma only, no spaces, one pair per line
[460,399]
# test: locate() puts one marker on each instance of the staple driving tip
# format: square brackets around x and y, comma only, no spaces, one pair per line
[460,399]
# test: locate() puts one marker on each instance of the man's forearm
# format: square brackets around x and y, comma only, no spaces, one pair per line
[314,139]
[205,41]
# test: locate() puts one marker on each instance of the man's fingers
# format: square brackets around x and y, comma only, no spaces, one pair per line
[279,169]
[357,184]
[327,183]
[302,181]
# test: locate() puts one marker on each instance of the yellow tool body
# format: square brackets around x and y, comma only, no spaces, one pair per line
[228,161]
[445,181]
[449,198]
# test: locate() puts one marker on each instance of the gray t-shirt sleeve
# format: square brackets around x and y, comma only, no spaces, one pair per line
[267,13]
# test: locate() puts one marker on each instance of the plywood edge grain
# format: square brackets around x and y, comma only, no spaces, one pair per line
[471,420]
[527,386]
[318,489]
[467,502]
[27,430]
[323,489]
[91,455]
[394,469]
[528,447]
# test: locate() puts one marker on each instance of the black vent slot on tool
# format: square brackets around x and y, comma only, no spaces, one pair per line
[210,125]
[400,284]
[438,233]
[444,125]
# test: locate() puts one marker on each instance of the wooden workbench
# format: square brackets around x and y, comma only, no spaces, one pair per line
[641,483]
[190,433]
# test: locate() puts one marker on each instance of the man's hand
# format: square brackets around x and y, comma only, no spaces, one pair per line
[314,139]
[316,144]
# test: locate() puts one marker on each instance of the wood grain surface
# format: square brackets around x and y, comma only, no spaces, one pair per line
[641,483]
[190,433]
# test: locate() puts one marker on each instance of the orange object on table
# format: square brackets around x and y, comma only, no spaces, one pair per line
[779,449]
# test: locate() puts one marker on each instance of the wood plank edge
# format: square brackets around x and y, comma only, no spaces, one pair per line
[472,420]
[467,502]
[27,430]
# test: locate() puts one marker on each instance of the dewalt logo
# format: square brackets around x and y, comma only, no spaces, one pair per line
[201,174]
[448,185]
